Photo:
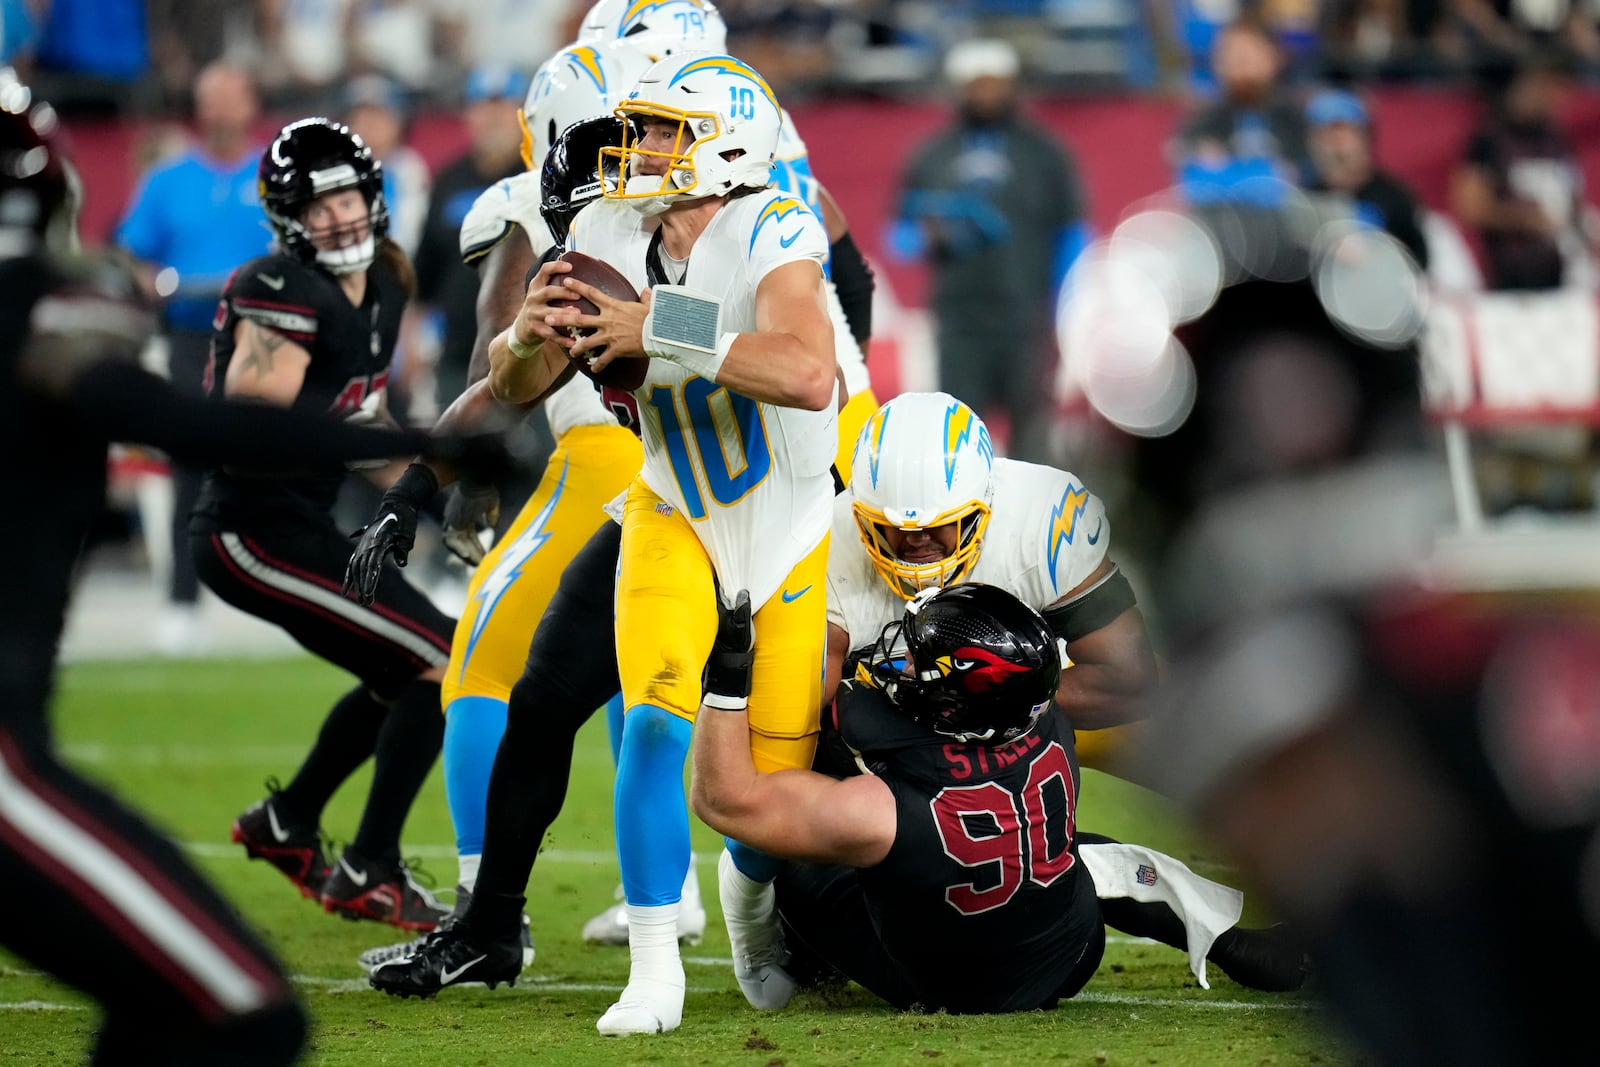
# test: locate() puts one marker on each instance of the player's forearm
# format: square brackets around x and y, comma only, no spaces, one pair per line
[500,295]
[724,793]
[517,380]
[781,369]
[125,403]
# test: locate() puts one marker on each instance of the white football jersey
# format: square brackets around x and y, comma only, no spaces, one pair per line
[512,201]
[752,478]
[791,173]
[1046,534]
[513,204]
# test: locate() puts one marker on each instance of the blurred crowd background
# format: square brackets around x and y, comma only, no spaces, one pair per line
[989,154]
[141,55]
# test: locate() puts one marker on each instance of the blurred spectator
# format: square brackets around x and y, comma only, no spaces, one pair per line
[506,33]
[93,55]
[1488,33]
[305,48]
[191,221]
[395,38]
[185,36]
[376,111]
[993,203]
[19,35]
[1519,186]
[1190,32]
[1342,164]
[1254,130]
[786,40]
[494,99]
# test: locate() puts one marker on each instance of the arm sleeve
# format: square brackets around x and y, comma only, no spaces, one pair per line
[852,279]
[123,403]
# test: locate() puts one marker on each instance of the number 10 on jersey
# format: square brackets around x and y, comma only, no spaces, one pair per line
[715,435]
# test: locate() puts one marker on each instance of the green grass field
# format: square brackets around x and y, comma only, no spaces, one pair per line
[190,744]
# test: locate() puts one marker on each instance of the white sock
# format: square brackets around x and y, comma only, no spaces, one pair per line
[653,999]
[467,865]
[748,906]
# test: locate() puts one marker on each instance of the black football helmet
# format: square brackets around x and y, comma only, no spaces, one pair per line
[573,172]
[311,158]
[977,665]
[39,191]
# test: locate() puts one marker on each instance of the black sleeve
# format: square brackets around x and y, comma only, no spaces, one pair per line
[1098,607]
[852,278]
[123,403]
[549,254]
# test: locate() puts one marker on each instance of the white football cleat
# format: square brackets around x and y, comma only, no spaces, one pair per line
[610,927]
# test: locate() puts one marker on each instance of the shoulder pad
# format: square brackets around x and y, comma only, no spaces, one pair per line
[510,202]
[276,292]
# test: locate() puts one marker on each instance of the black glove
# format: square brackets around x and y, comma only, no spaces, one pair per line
[481,458]
[470,510]
[727,681]
[392,532]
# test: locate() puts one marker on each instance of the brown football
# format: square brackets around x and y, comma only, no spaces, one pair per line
[625,374]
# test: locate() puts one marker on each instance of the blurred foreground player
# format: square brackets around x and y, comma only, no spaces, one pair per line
[1403,767]
[114,908]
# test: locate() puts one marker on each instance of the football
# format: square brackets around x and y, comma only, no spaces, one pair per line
[624,374]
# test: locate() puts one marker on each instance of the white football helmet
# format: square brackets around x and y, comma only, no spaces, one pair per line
[923,460]
[657,27]
[579,82]
[727,119]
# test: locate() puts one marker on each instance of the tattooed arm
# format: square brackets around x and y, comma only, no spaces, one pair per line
[266,365]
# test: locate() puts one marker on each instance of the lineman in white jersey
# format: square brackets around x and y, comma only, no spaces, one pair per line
[930,505]
[739,425]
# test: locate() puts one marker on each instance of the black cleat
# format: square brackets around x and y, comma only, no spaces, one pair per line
[383,892]
[375,957]
[1272,959]
[293,848]
[449,957]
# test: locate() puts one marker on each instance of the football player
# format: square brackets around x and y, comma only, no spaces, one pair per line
[507,232]
[113,906]
[313,326]
[739,405]
[945,870]
[661,27]
[930,505]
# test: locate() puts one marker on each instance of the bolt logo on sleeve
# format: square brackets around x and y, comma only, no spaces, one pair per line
[1063,522]
[776,212]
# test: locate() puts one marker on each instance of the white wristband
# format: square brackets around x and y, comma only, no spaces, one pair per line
[518,349]
[726,703]
[684,326]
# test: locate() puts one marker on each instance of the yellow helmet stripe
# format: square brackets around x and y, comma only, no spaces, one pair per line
[728,65]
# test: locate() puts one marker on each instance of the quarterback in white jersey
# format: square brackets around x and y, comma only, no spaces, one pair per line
[930,505]
[752,477]
[739,428]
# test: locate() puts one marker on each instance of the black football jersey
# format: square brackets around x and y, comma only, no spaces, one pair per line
[350,349]
[58,475]
[981,899]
